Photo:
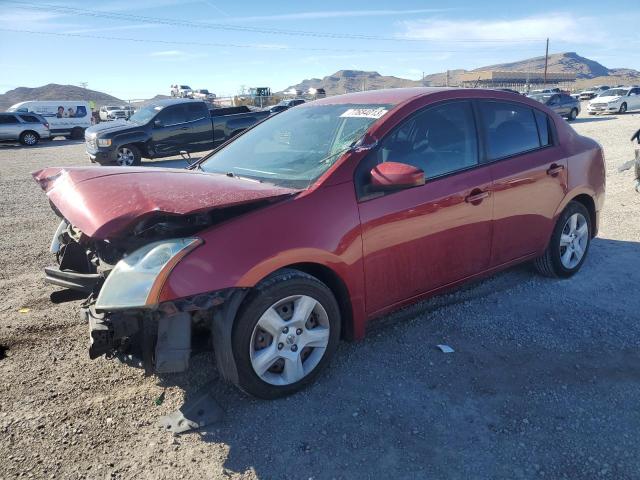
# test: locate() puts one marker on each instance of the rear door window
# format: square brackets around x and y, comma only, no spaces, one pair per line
[544,128]
[29,119]
[509,129]
[196,111]
[172,115]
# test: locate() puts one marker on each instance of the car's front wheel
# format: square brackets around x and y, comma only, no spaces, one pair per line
[569,243]
[285,334]
[623,108]
[128,155]
[573,114]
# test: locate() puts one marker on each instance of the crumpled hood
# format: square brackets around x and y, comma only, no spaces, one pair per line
[103,201]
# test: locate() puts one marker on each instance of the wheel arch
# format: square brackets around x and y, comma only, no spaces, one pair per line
[141,146]
[586,198]
[339,289]
[588,202]
[334,282]
[24,132]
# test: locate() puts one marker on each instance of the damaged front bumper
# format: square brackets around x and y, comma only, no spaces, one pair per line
[159,337]
[162,340]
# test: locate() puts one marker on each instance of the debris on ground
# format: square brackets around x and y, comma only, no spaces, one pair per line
[445,348]
[195,413]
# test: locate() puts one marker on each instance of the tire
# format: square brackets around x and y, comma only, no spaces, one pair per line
[562,260]
[573,114]
[77,133]
[128,156]
[29,138]
[290,363]
[623,109]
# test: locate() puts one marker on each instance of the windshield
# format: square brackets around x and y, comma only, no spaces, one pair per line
[542,97]
[113,108]
[145,114]
[294,148]
[206,92]
[614,92]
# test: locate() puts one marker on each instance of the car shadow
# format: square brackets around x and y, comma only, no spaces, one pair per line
[592,119]
[394,403]
[61,142]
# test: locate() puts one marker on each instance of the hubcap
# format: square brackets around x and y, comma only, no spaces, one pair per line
[29,139]
[125,157]
[289,340]
[574,240]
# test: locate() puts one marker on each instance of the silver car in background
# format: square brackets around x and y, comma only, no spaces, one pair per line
[564,105]
[27,128]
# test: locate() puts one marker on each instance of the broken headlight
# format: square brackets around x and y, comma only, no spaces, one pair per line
[137,279]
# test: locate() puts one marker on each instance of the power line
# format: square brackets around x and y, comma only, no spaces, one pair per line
[240,28]
[223,45]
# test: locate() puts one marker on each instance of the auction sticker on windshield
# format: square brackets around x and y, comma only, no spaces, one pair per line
[364,113]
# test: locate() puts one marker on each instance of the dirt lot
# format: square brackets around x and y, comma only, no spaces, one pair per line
[544,382]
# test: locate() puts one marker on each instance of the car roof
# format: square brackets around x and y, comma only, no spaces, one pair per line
[385,96]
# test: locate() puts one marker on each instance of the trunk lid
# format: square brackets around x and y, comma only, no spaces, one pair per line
[103,201]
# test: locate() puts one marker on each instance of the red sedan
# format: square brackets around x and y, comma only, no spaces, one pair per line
[313,223]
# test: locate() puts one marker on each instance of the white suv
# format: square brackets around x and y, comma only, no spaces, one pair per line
[615,100]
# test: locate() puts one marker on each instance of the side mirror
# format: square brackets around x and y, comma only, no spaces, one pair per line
[394,175]
[157,124]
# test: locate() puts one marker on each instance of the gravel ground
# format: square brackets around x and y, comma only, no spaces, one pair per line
[544,382]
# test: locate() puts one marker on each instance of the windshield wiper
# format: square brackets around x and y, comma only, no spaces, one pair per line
[338,153]
[234,175]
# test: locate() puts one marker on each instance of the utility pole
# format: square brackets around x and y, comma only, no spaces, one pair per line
[84,84]
[546,63]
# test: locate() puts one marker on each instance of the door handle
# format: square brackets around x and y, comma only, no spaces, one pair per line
[476,196]
[555,169]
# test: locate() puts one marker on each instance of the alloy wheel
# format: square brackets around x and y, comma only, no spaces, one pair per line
[125,157]
[30,139]
[573,240]
[289,340]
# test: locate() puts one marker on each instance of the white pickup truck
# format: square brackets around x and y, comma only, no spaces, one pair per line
[181,91]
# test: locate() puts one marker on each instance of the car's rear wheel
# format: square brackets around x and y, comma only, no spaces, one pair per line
[623,108]
[573,114]
[77,133]
[569,243]
[285,334]
[29,138]
[128,155]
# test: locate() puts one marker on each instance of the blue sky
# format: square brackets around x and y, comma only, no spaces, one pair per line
[138,48]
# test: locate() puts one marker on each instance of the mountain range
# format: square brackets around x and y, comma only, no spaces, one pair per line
[54,91]
[588,72]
